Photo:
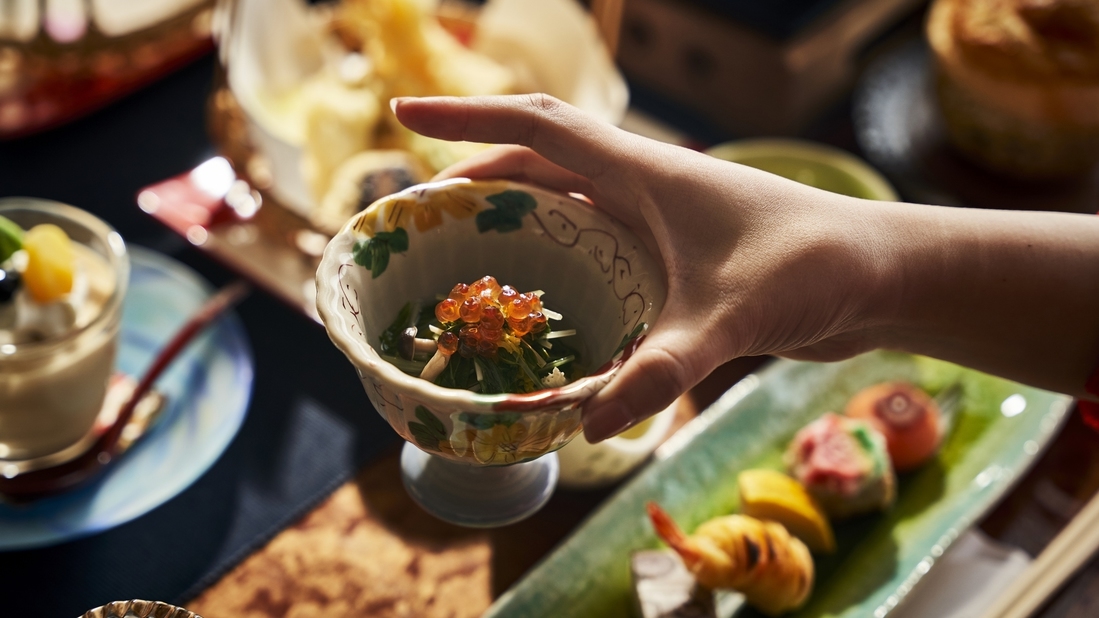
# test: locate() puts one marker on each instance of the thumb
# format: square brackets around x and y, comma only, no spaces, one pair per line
[670,360]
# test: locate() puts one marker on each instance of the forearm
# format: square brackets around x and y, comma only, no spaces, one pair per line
[1011,293]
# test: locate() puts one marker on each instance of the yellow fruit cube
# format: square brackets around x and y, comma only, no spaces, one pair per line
[49,273]
[772,495]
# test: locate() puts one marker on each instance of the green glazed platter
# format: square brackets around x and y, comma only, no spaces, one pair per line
[996,430]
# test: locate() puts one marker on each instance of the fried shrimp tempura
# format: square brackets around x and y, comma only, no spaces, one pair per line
[760,559]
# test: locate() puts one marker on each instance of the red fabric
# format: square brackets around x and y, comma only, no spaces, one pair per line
[1090,409]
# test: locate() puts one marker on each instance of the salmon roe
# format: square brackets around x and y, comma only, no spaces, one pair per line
[489,313]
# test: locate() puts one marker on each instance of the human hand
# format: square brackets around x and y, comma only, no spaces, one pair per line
[756,264]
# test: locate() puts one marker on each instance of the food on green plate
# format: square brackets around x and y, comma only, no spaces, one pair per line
[760,559]
[843,463]
[909,419]
[484,337]
[663,587]
[774,496]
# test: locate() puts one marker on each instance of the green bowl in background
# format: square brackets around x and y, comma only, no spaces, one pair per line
[816,165]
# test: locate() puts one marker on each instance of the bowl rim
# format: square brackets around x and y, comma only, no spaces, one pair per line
[367,360]
[838,158]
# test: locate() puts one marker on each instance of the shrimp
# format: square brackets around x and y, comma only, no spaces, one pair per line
[760,559]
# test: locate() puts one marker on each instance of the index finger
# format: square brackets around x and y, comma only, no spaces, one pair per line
[559,132]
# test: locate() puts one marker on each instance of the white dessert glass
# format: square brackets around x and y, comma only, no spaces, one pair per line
[51,391]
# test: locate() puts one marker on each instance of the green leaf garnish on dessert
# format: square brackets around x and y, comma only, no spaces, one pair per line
[11,238]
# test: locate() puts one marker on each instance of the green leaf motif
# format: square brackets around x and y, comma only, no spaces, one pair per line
[424,437]
[507,216]
[626,339]
[397,239]
[431,421]
[374,253]
[487,421]
[429,431]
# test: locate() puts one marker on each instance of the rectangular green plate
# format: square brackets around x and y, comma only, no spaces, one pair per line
[880,557]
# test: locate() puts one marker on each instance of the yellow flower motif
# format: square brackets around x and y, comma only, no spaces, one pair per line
[426,213]
[458,444]
[429,213]
[509,444]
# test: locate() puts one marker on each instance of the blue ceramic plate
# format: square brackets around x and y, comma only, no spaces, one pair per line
[208,388]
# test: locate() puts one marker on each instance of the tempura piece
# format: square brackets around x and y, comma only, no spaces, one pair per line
[760,559]
[339,121]
[414,55]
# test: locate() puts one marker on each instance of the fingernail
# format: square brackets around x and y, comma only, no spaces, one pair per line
[393,103]
[606,421]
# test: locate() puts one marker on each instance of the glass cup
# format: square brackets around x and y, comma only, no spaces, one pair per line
[51,391]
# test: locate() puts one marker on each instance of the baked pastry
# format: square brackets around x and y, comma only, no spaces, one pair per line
[1018,82]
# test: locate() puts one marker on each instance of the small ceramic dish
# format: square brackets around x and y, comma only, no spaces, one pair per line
[816,165]
[592,269]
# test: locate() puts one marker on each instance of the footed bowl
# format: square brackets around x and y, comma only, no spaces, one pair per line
[423,241]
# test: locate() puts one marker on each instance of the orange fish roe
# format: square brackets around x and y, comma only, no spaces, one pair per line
[448,343]
[490,313]
[448,310]
[459,292]
[471,310]
[507,294]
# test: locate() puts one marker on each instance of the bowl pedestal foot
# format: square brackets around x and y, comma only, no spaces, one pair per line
[477,496]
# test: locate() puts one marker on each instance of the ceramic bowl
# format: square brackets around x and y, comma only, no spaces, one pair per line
[816,165]
[592,269]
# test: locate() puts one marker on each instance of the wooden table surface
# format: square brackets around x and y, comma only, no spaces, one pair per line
[368,550]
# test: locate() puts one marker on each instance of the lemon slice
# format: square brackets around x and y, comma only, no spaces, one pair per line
[771,495]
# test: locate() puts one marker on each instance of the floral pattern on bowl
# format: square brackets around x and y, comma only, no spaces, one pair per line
[418,243]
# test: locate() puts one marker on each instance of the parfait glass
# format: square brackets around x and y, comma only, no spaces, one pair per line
[52,388]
